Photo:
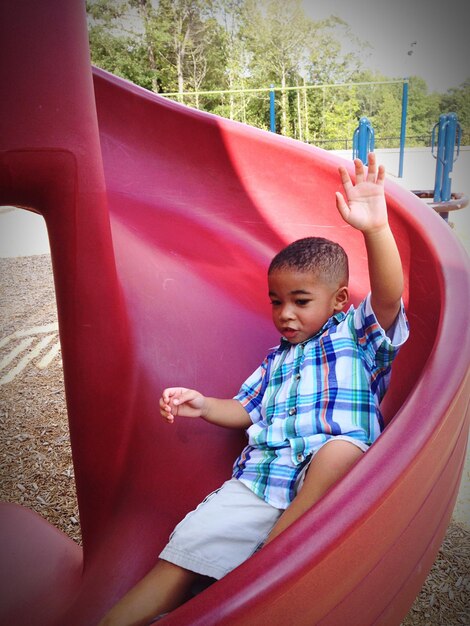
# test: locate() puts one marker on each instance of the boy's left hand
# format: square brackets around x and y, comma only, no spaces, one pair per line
[364,207]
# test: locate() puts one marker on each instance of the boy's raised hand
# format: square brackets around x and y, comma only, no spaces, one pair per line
[181,401]
[364,207]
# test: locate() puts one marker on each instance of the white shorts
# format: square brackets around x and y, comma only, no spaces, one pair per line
[227,527]
[222,532]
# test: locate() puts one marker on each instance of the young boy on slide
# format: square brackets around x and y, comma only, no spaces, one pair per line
[310,410]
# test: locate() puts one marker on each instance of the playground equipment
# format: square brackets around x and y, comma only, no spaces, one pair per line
[449,133]
[302,131]
[162,221]
[363,140]
[448,137]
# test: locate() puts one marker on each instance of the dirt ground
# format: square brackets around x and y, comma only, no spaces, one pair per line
[35,458]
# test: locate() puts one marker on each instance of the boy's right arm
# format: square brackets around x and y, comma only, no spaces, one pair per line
[366,210]
[190,403]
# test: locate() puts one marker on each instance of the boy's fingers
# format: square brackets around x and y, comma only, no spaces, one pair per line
[166,395]
[371,170]
[341,205]
[172,392]
[163,404]
[345,178]
[166,414]
[359,168]
[185,396]
[169,418]
[381,174]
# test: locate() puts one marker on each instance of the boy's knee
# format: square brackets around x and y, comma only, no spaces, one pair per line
[334,459]
[339,454]
[341,449]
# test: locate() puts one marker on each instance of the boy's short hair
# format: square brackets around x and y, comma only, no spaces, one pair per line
[325,258]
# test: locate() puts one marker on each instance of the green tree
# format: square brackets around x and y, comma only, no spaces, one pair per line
[457,100]
[287,48]
[382,104]
[423,111]
[172,45]
[187,29]
[338,121]
[114,46]
[198,45]
[275,33]
[335,53]
[236,59]
[149,36]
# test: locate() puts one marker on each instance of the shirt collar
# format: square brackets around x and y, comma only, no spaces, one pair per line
[334,320]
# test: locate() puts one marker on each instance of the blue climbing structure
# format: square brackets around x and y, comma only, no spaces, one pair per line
[363,140]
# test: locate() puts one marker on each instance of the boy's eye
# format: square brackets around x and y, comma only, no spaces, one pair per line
[302,302]
[275,302]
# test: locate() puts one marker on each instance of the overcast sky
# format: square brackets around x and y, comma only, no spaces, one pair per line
[440,27]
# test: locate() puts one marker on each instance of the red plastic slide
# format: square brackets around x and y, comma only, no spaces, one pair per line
[162,221]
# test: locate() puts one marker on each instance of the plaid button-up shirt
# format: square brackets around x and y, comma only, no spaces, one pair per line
[304,394]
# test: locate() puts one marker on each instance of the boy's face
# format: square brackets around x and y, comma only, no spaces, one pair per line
[302,303]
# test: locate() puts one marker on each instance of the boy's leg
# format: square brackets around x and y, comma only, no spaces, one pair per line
[168,585]
[163,589]
[330,463]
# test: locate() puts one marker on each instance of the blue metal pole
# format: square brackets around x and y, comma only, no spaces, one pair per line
[371,146]
[439,156]
[272,112]
[363,140]
[355,143]
[449,146]
[363,137]
[404,113]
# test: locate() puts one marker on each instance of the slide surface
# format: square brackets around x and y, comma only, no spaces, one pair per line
[162,221]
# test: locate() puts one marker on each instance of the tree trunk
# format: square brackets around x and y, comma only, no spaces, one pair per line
[145,8]
[284,129]
[299,114]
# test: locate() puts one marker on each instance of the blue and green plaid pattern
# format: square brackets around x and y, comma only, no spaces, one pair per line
[304,394]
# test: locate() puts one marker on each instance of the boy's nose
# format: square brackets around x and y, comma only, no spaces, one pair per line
[286,313]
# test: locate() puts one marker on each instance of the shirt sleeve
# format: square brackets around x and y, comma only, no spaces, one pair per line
[380,347]
[252,390]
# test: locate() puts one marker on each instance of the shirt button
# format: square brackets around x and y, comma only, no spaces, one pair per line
[297,377]
[292,411]
[300,457]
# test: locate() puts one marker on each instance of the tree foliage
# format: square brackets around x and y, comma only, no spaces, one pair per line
[458,101]
[186,47]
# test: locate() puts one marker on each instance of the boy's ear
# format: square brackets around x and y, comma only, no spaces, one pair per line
[341,298]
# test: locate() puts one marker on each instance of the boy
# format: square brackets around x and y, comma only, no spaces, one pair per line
[311,409]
